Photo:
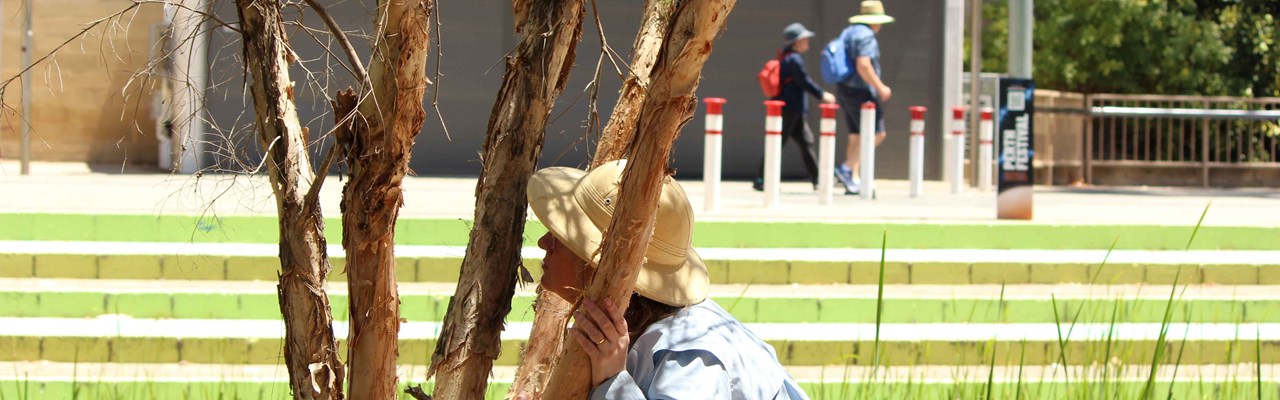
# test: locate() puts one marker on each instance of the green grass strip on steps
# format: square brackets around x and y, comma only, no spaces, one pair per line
[994,235]
[143,389]
[267,351]
[420,307]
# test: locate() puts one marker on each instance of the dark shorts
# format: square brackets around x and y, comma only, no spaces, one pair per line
[850,100]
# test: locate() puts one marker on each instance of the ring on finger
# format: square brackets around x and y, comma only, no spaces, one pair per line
[601,341]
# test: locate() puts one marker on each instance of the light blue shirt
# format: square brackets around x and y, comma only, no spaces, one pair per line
[861,42]
[701,352]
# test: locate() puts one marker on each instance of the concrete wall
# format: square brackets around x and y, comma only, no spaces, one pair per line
[83,122]
[476,35]
[81,107]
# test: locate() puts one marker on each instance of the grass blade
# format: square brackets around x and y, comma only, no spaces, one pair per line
[1198,223]
[741,295]
[991,373]
[1062,341]
[1257,347]
[875,358]
[1022,361]
[1106,358]
[1160,342]
[1178,362]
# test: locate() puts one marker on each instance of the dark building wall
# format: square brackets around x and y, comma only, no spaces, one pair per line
[477,34]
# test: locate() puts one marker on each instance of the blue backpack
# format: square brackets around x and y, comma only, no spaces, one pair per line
[836,67]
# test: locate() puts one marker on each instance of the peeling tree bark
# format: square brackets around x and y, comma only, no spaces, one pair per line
[669,105]
[377,144]
[551,311]
[542,351]
[621,129]
[536,73]
[310,350]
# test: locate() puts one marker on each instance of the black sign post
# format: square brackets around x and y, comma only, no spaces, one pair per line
[1015,137]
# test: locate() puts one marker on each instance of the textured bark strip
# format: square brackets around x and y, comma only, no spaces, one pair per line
[551,315]
[536,73]
[552,312]
[310,351]
[378,144]
[621,129]
[669,105]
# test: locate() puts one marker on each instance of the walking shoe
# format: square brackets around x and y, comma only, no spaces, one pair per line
[845,175]
[853,187]
[758,184]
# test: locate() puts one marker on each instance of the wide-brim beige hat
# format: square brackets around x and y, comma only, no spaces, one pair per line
[872,13]
[577,206]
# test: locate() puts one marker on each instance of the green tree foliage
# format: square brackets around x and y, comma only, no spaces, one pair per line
[1249,27]
[1204,47]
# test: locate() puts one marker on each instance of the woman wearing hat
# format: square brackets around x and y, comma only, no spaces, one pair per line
[672,342]
[793,84]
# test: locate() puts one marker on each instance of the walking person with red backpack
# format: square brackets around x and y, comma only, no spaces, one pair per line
[787,79]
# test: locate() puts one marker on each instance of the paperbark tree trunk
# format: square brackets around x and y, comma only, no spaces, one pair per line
[536,73]
[377,144]
[621,129]
[551,313]
[310,351]
[669,105]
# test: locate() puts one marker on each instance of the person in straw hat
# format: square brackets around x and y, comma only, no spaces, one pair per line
[671,342]
[864,86]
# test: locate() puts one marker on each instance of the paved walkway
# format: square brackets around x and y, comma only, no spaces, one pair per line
[77,188]
[1101,293]
[1116,257]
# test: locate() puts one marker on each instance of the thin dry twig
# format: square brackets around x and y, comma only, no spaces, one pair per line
[435,96]
[88,27]
[341,36]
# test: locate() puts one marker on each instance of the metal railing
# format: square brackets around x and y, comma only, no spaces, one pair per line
[1181,131]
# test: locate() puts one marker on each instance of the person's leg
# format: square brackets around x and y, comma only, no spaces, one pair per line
[795,127]
[855,143]
[789,123]
[804,138]
[758,183]
[851,108]
[853,153]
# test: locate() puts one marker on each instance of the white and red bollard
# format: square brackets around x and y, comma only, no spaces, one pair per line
[772,152]
[985,142]
[955,150]
[827,153]
[713,152]
[867,159]
[915,170]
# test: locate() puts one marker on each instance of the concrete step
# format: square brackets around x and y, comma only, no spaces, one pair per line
[46,380]
[737,233]
[188,261]
[89,298]
[121,339]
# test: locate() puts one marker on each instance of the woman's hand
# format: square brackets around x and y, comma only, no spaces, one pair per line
[603,334]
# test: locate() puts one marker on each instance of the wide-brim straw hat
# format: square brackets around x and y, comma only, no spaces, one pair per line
[577,206]
[872,13]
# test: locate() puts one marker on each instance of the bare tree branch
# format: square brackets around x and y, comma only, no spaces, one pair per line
[361,74]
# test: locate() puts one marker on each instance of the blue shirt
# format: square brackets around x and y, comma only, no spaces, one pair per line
[701,352]
[861,42]
[793,82]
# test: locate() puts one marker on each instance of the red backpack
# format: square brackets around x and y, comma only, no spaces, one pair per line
[769,77]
